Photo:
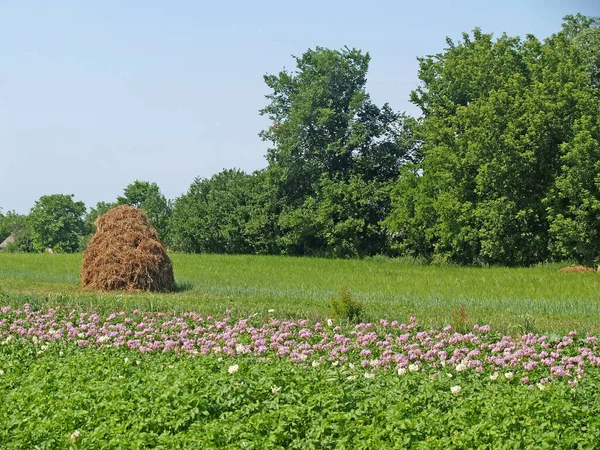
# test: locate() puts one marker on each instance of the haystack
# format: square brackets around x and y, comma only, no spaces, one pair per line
[126,253]
[576,269]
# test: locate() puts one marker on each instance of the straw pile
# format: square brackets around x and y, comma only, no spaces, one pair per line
[126,253]
[576,269]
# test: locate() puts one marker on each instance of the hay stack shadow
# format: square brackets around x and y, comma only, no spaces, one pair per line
[126,253]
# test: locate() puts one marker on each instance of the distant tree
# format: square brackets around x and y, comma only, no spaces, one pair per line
[342,220]
[17,225]
[217,215]
[147,196]
[57,222]
[4,233]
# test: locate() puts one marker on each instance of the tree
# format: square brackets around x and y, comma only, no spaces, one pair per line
[57,222]
[573,202]
[326,131]
[147,196]
[496,114]
[219,215]
[17,225]
[4,233]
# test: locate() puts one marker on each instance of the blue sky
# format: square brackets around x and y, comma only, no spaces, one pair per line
[97,94]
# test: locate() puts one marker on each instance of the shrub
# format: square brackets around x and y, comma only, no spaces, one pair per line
[347,308]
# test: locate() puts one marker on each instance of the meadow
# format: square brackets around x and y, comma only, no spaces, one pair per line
[511,300]
[247,354]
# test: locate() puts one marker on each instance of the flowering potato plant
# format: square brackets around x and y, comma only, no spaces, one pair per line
[192,381]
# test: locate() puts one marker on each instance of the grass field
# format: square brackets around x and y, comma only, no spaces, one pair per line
[511,300]
[229,361]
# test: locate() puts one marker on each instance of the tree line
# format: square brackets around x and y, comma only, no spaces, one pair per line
[501,167]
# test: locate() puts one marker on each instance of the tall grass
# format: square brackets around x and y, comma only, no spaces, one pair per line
[511,299]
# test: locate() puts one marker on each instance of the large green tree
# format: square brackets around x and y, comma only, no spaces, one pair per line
[497,113]
[329,142]
[573,203]
[57,222]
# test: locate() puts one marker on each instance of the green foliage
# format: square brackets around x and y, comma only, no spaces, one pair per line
[169,401]
[17,225]
[146,196]
[222,214]
[334,155]
[57,223]
[4,233]
[510,144]
[347,308]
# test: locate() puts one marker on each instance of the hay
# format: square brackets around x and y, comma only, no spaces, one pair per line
[126,253]
[576,269]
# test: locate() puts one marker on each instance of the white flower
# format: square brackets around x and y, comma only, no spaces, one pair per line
[102,339]
[35,340]
[271,310]
[240,348]
[81,335]
[121,377]
[455,389]
[373,362]
[275,390]
[351,366]
[329,322]
[75,435]
[541,386]
[460,367]
[1,372]
[369,375]
[233,369]
[171,366]
[351,377]
[335,363]
[449,375]
[509,375]
[138,362]
[126,360]
[494,376]
[401,371]
[413,367]
[60,353]
[315,364]
[443,363]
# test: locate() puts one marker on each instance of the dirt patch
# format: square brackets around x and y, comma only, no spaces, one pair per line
[126,253]
[576,269]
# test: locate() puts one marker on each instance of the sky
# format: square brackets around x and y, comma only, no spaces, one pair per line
[97,94]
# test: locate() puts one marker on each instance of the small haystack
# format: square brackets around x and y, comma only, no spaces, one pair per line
[576,269]
[126,253]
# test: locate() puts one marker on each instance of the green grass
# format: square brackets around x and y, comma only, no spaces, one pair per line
[510,299]
[166,401]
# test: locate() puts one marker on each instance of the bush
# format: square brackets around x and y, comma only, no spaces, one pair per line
[346,308]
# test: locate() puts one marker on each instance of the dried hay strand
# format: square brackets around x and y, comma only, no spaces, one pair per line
[126,253]
[576,269]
